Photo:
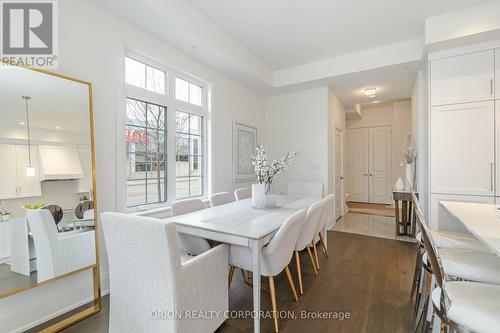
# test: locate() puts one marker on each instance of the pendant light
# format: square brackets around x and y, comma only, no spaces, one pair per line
[30,171]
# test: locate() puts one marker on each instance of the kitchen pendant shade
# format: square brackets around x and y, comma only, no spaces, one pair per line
[30,171]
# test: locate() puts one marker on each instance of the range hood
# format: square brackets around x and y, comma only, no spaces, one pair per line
[59,163]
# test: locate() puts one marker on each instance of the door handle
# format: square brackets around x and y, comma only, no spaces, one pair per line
[341,177]
[372,174]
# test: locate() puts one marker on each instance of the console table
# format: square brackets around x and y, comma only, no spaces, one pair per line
[405,226]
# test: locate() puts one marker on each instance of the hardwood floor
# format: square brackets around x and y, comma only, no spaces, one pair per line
[371,209]
[366,277]
[10,281]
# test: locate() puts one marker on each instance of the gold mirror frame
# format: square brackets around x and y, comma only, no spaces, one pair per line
[96,304]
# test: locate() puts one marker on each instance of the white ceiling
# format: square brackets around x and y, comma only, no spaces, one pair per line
[284,33]
[54,101]
[392,83]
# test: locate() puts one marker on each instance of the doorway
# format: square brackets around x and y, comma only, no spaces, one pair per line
[369,164]
[339,174]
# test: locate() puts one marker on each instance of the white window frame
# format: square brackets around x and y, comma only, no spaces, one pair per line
[173,105]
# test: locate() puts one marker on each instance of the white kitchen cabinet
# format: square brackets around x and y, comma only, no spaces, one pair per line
[27,186]
[13,180]
[497,141]
[85,184]
[463,149]
[497,73]
[8,172]
[440,221]
[463,79]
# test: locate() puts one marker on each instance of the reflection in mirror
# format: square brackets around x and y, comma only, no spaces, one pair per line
[46,187]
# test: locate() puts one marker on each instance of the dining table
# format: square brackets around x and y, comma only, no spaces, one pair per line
[238,223]
[481,220]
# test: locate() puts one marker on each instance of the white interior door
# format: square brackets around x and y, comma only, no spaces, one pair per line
[358,164]
[339,173]
[8,177]
[379,165]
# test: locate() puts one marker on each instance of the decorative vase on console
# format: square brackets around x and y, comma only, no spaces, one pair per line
[409,157]
[265,172]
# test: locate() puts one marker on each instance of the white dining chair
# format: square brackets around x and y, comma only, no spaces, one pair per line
[242,193]
[58,253]
[322,221]
[275,256]
[191,244]
[220,198]
[306,237]
[461,306]
[151,281]
[305,190]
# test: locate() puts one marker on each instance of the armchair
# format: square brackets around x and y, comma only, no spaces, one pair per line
[151,281]
[58,253]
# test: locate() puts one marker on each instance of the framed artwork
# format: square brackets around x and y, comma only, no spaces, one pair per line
[244,144]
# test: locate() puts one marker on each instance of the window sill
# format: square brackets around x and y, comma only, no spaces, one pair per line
[163,210]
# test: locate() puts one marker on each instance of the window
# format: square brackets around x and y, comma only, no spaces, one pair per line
[146,137]
[165,112]
[189,155]
[144,76]
[188,92]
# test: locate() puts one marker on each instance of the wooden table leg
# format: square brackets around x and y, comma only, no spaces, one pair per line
[396,205]
[404,216]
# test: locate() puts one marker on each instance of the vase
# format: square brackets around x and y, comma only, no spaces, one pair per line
[400,185]
[259,195]
[409,177]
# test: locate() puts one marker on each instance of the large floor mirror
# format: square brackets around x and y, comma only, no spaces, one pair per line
[48,226]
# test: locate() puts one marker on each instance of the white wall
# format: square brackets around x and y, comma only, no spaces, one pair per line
[298,122]
[91,47]
[420,132]
[398,116]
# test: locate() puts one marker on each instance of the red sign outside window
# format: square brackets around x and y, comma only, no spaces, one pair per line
[137,136]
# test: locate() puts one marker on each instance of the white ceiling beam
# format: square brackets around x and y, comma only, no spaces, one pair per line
[388,55]
[472,25]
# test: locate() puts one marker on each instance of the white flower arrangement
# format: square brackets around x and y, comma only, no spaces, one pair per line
[410,152]
[266,171]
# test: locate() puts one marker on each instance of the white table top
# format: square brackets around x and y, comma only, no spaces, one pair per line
[481,220]
[239,218]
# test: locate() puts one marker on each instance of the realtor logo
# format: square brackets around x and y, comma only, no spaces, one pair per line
[29,33]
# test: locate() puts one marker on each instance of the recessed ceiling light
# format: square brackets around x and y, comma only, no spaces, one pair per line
[372,96]
[370,91]
[57,127]
[21,123]
[376,102]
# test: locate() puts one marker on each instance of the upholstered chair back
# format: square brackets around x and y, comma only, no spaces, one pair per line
[221,198]
[282,246]
[308,231]
[144,261]
[44,231]
[186,206]
[242,193]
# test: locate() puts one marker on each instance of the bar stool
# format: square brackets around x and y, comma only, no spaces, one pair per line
[461,306]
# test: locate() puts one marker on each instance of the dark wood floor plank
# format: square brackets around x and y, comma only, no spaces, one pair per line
[367,277]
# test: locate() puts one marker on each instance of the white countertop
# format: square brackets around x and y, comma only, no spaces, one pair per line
[481,220]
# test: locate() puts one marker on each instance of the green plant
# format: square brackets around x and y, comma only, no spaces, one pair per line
[34,206]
